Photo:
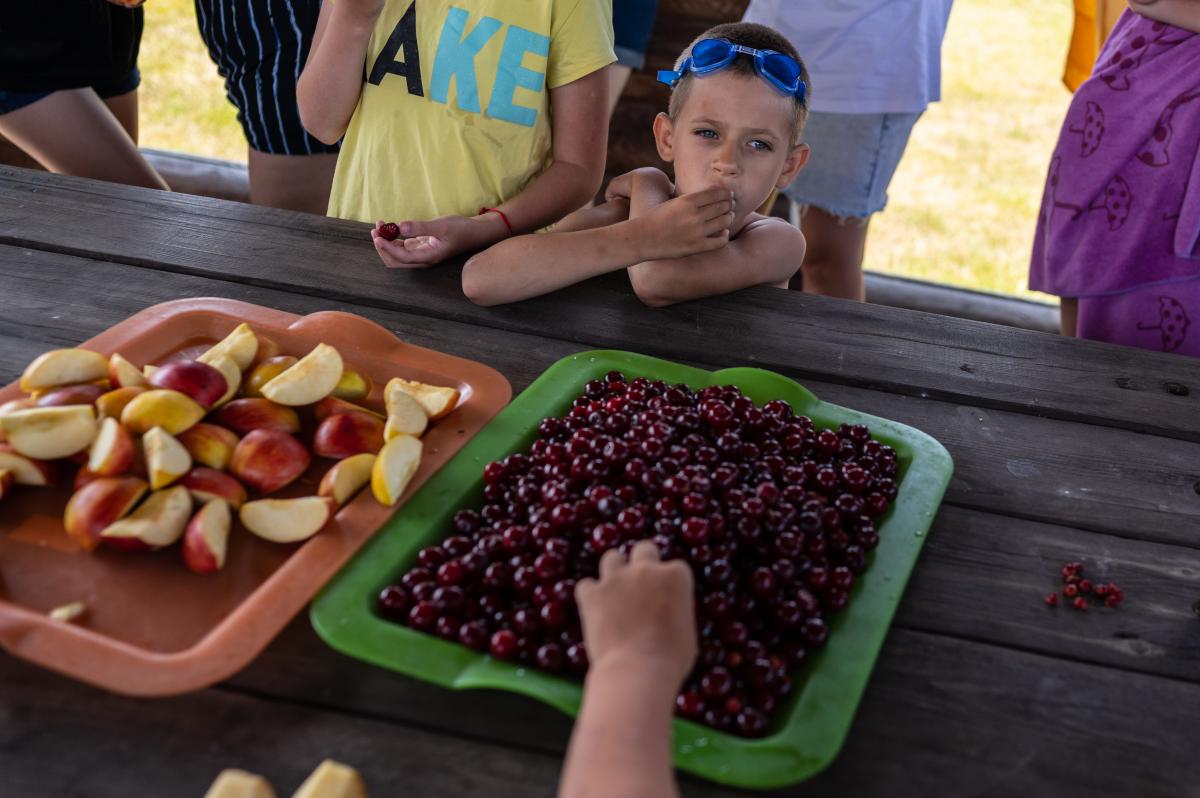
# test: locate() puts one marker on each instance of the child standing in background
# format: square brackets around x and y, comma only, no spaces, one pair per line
[465,124]
[1118,237]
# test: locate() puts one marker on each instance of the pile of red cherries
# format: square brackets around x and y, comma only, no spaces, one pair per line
[775,517]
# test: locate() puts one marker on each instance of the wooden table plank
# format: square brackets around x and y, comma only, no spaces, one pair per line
[937,712]
[863,345]
[1005,462]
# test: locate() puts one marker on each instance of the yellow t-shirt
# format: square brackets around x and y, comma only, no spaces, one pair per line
[454,112]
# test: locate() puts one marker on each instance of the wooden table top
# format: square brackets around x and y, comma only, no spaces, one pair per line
[1064,450]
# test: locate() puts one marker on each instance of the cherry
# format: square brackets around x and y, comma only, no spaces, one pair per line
[393,601]
[389,231]
[503,644]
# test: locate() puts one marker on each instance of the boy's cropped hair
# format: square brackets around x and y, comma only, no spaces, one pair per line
[747,34]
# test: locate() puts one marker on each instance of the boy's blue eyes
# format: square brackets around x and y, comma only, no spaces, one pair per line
[757,144]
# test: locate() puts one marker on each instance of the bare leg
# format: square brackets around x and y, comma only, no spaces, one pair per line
[125,108]
[292,182]
[833,258]
[73,132]
[618,75]
[1068,308]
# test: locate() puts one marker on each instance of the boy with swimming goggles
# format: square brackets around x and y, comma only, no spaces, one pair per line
[732,129]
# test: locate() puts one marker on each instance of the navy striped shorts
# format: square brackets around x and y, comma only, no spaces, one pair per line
[259,47]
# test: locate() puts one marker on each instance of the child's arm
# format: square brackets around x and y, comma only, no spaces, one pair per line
[767,252]
[1180,13]
[331,82]
[640,631]
[579,133]
[592,242]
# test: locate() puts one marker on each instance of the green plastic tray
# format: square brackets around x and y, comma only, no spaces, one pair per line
[809,728]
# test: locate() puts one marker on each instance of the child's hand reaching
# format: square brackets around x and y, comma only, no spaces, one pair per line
[426,243]
[640,614]
[689,224]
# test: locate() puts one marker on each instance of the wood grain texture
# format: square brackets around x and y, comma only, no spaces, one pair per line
[869,346]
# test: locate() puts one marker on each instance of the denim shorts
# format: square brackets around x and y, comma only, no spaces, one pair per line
[632,22]
[12,100]
[853,159]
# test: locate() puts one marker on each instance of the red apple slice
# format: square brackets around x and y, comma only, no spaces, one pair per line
[166,458]
[347,477]
[124,374]
[47,433]
[112,451]
[240,346]
[27,470]
[158,522]
[64,367]
[286,520]
[309,381]
[99,504]
[207,537]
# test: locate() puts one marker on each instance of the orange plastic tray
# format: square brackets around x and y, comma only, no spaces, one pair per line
[153,627]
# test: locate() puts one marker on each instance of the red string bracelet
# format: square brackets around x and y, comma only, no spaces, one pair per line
[503,218]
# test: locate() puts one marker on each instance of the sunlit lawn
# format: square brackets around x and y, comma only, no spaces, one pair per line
[962,204]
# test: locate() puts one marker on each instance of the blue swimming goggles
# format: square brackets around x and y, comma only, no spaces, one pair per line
[710,55]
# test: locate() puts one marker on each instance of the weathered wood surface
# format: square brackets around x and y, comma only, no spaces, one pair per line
[980,689]
[870,346]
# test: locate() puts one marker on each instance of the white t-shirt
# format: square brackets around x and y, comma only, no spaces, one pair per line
[864,56]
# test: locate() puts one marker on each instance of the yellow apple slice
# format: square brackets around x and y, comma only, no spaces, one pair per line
[233,378]
[12,406]
[394,468]
[207,537]
[158,522]
[346,478]
[437,400]
[353,385]
[166,458]
[68,612]
[162,407]
[64,367]
[405,416]
[112,451]
[240,346]
[332,780]
[47,433]
[233,783]
[310,380]
[264,372]
[124,374]
[285,520]
[26,470]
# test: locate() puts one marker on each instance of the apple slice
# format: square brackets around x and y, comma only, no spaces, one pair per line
[206,484]
[331,406]
[148,371]
[347,477]
[437,400]
[27,470]
[202,382]
[267,460]
[64,367]
[206,537]
[394,468]
[166,458]
[265,371]
[233,378]
[161,407]
[240,346]
[8,478]
[209,444]
[47,433]
[124,374]
[12,406]
[158,522]
[99,504]
[312,378]
[243,416]
[234,783]
[84,394]
[286,520]
[112,403]
[112,451]
[353,385]
[332,780]
[348,434]
[406,416]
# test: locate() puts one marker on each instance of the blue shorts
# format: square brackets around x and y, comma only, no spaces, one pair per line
[12,100]
[632,22]
[853,159]
[259,47]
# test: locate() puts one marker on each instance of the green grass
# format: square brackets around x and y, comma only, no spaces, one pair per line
[963,202]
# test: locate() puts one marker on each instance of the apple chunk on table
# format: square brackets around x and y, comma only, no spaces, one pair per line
[63,367]
[48,433]
[310,380]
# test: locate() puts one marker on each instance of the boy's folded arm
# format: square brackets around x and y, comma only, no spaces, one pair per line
[595,241]
[767,252]
[331,82]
